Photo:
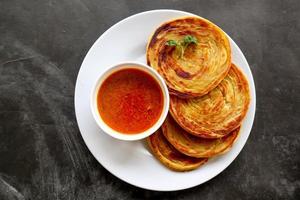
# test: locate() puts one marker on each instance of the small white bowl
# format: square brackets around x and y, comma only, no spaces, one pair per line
[109,130]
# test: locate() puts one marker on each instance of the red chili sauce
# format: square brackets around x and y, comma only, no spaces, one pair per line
[130,101]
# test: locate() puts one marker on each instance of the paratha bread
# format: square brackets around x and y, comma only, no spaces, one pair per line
[217,113]
[202,66]
[169,156]
[195,146]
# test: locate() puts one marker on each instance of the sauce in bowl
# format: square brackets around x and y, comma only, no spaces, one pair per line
[130,101]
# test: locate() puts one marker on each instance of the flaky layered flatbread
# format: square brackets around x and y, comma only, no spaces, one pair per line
[194,146]
[217,113]
[192,54]
[169,156]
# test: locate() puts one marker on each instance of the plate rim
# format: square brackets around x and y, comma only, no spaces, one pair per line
[253,98]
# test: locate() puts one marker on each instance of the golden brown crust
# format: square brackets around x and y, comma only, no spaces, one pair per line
[169,156]
[202,67]
[195,146]
[217,113]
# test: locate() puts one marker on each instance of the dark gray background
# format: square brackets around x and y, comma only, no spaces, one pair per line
[42,45]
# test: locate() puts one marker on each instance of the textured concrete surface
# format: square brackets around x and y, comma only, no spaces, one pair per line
[42,45]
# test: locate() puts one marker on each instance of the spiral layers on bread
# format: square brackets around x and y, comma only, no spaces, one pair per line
[217,113]
[195,146]
[202,66]
[169,156]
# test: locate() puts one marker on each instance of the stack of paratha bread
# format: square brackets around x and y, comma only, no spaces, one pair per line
[209,94]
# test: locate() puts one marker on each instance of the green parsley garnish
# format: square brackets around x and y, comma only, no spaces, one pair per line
[183,44]
[171,43]
[189,40]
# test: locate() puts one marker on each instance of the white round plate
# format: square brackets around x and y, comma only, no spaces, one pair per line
[132,161]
